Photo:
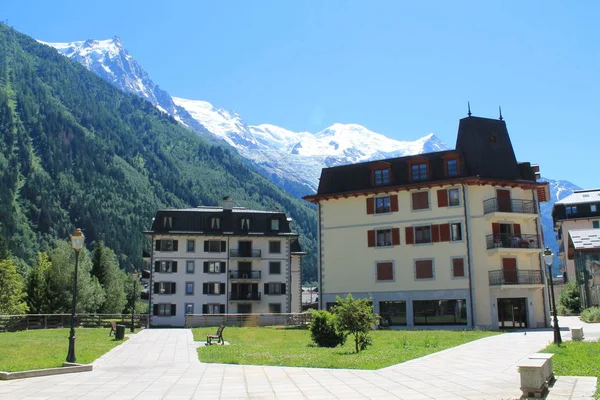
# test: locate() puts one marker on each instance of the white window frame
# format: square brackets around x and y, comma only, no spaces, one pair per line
[187,267]
[593,208]
[164,309]
[166,267]
[215,266]
[452,232]
[377,237]
[273,285]
[186,308]
[187,293]
[274,224]
[213,308]
[217,288]
[187,246]
[457,190]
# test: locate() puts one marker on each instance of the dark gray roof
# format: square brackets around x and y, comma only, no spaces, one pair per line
[584,239]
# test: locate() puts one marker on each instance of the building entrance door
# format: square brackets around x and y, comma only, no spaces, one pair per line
[512,313]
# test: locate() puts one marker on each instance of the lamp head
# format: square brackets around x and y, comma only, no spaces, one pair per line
[548,256]
[77,239]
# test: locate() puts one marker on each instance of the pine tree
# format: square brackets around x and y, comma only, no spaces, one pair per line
[4,252]
[11,289]
[105,267]
[37,292]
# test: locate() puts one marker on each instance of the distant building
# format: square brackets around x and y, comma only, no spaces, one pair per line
[580,210]
[584,252]
[216,260]
[445,238]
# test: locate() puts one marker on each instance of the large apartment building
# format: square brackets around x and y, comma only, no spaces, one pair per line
[217,260]
[444,238]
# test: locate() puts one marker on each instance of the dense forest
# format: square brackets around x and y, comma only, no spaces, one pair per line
[77,152]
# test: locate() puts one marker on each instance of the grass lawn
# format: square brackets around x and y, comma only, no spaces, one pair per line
[576,359]
[37,349]
[293,348]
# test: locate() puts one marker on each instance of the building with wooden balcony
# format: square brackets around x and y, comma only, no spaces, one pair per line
[445,238]
[216,260]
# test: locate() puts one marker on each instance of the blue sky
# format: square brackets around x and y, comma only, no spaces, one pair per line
[403,69]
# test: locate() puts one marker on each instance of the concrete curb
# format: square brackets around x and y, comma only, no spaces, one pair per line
[67,368]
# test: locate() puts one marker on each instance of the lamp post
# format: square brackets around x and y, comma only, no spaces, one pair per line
[549,260]
[77,239]
[134,277]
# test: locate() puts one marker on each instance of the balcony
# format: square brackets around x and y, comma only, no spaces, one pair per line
[245,275]
[493,206]
[516,243]
[515,277]
[239,253]
[244,296]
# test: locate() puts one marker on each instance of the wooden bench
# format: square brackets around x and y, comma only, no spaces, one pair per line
[113,328]
[218,336]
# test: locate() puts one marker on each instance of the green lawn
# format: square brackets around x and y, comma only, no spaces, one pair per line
[576,359]
[293,348]
[37,349]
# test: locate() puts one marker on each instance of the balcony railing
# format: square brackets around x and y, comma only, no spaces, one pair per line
[237,253]
[244,274]
[512,206]
[505,240]
[245,296]
[512,277]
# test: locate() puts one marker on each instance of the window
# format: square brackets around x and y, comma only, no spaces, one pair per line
[275,308]
[215,246]
[167,222]
[423,234]
[382,205]
[190,267]
[383,237]
[213,288]
[440,312]
[191,246]
[189,308]
[381,176]
[164,287]
[419,172]
[166,245]
[385,271]
[456,231]
[213,308]
[393,311]
[245,224]
[420,200]
[165,266]
[571,210]
[164,310]
[453,197]
[275,288]
[214,267]
[274,224]
[274,247]
[424,269]
[452,167]
[274,267]
[458,267]
[189,288]
[593,208]
[215,223]
[595,224]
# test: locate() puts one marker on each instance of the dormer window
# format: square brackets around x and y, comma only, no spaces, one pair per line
[381,176]
[419,172]
[452,167]
[215,223]
[245,224]
[167,222]
[571,210]
[274,224]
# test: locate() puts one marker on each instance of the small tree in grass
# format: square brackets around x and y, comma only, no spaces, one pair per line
[568,301]
[355,317]
[323,330]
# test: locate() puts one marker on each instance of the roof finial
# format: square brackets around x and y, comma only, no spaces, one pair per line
[469,107]
[500,109]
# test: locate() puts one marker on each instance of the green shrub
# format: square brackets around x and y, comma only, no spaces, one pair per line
[591,314]
[355,317]
[568,301]
[323,330]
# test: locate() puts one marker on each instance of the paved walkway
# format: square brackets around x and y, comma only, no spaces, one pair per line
[163,364]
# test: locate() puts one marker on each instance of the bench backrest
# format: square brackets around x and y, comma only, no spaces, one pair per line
[220,330]
[113,325]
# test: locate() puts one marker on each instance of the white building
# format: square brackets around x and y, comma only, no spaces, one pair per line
[222,260]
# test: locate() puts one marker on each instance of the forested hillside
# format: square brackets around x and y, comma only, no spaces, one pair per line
[77,152]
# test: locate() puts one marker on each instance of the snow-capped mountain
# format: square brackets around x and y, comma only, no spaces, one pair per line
[112,62]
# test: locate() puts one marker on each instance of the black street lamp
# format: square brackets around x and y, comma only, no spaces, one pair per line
[77,239]
[549,260]
[134,277]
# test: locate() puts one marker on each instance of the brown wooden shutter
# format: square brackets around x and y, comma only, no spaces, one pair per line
[435,233]
[445,232]
[442,197]
[458,267]
[395,236]
[371,238]
[410,235]
[495,228]
[173,309]
[157,245]
[370,205]
[517,229]
[394,202]
[385,271]
[424,269]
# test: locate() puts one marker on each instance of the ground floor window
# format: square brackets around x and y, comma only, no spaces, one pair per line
[275,308]
[440,312]
[394,312]
[164,309]
[244,308]
[213,309]
[189,308]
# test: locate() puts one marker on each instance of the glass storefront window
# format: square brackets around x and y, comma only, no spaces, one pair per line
[440,312]
[393,311]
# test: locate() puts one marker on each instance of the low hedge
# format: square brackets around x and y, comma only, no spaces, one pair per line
[591,314]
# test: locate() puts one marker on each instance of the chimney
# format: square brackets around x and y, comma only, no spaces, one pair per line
[227,203]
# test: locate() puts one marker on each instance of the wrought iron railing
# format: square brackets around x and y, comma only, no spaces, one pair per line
[512,206]
[245,274]
[506,240]
[515,277]
[245,296]
[238,253]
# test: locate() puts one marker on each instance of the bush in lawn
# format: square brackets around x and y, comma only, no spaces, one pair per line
[323,330]
[568,301]
[591,314]
[355,316]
